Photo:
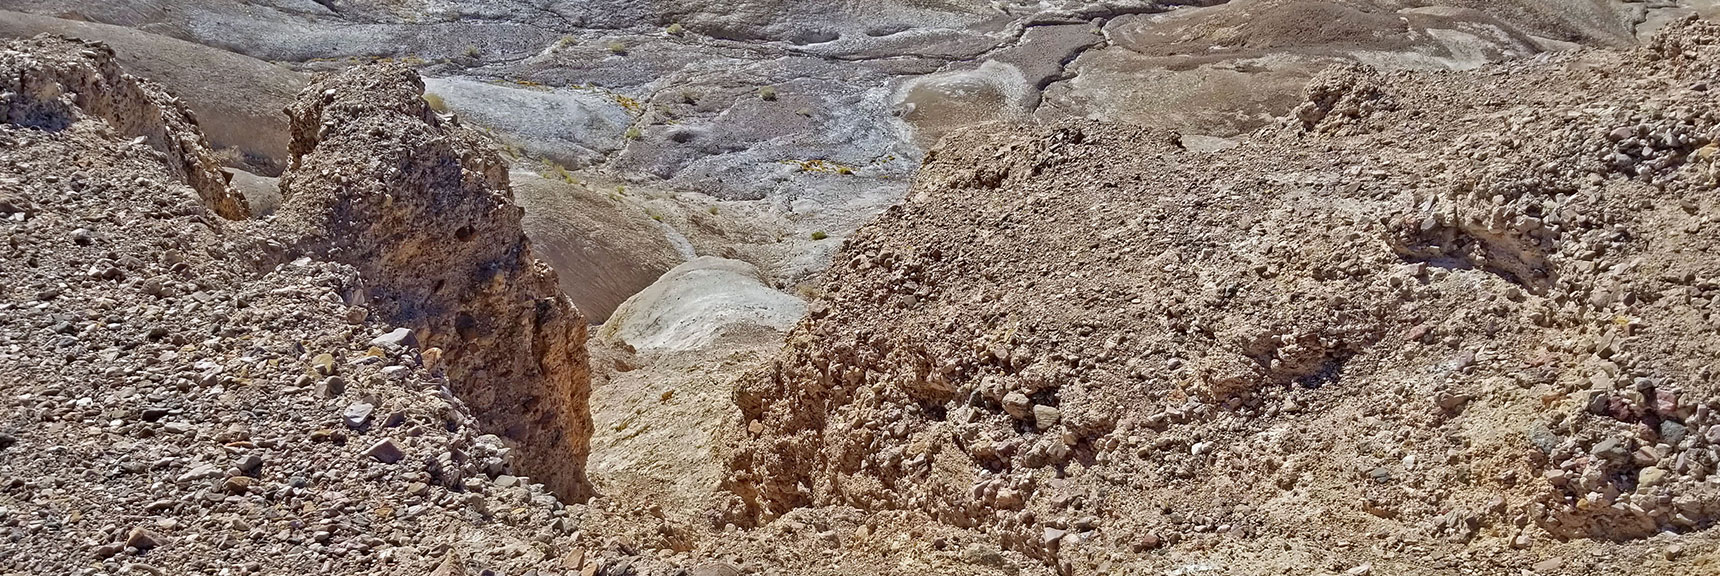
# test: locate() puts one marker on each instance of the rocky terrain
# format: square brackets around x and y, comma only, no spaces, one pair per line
[181,380]
[802,117]
[510,287]
[1429,323]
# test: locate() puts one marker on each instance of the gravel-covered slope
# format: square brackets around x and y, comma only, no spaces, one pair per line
[184,393]
[1431,322]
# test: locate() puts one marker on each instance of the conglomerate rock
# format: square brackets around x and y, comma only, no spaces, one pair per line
[55,80]
[421,207]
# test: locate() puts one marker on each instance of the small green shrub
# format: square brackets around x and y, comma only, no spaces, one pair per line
[819,235]
[634,133]
[767,93]
[617,48]
[676,29]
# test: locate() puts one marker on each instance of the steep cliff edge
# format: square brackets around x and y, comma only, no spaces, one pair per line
[421,207]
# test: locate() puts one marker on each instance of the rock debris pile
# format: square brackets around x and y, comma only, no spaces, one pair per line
[1430,322]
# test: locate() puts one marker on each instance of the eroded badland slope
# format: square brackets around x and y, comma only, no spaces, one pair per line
[1431,323]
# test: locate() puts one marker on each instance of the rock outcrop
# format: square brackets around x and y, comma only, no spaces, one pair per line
[237,99]
[56,81]
[182,390]
[421,207]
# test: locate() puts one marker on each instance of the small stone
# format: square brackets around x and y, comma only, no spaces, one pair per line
[357,416]
[1018,405]
[1672,432]
[238,484]
[248,463]
[506,481]
[386,452]
[1044,417]
[323,364]
[1052,535]
[1362,570]
[153,414]
[1547,566]
[1650,476]
[717,569]
[574,559]
[1665,401]
[395,340]
[331,386]
[141,539]
[1543,439]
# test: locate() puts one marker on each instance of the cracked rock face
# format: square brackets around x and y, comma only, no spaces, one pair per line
[421,207]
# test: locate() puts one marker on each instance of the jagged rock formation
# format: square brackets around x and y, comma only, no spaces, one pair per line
[237,99]
[183,390]
[1447,313]
[421,207]
[54,85]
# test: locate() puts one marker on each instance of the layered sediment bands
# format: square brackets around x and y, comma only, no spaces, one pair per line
[421,206]
[58,78]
